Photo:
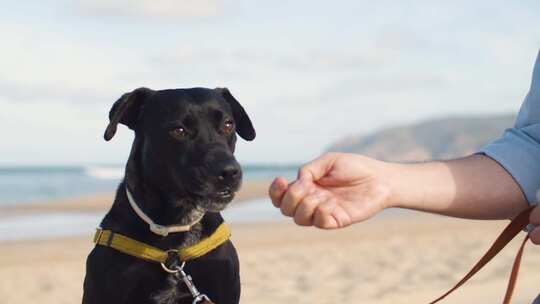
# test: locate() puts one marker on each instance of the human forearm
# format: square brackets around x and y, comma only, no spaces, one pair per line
[473,187]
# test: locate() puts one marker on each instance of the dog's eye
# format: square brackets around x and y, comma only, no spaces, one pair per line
[228,126]
[178,133]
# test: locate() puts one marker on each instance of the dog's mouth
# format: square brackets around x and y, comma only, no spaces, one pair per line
[219,200]
[222,197]
[214,201]
[225,194]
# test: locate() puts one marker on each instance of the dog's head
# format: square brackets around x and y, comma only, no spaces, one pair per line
[184,142]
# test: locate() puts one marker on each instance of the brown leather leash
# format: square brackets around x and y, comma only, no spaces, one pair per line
[513,229]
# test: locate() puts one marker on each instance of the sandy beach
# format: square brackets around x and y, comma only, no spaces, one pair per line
[400,257]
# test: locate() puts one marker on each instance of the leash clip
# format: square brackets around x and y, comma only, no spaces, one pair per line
[178,272]
[201,297]
[188,281]
[195,293]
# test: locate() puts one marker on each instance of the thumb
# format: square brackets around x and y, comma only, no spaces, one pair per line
[317,168]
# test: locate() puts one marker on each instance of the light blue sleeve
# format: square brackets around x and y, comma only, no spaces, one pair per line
[518,149]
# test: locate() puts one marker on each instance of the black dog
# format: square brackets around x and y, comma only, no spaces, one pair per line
[181,168]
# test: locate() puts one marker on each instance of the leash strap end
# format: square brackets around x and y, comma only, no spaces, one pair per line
[514,228]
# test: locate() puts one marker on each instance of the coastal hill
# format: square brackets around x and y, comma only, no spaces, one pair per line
[439,139]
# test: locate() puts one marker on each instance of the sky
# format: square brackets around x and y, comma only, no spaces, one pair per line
[307,72]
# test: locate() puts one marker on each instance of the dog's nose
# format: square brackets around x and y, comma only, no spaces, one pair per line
[229,172]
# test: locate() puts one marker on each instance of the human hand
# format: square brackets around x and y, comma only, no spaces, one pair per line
[535,220]
[332,191]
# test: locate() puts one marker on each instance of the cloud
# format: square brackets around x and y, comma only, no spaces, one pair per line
[152,9]
[50,66]
[272,61]
[400,38]
[307,71]
[19,92]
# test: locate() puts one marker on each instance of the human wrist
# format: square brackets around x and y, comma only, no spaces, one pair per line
[399,180]
[387,175]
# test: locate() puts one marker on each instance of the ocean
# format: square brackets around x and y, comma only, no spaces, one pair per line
[59,224]
[21,185]
[25,185]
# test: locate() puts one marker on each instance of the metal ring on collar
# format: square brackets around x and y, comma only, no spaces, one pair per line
[176,268]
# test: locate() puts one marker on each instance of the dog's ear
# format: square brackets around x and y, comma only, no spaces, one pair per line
[244,127]
[126,111]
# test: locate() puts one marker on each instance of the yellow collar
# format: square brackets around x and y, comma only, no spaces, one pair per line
[146,252]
